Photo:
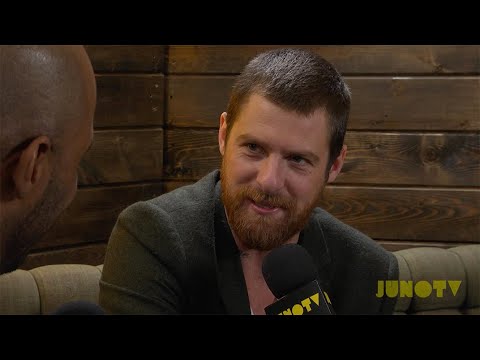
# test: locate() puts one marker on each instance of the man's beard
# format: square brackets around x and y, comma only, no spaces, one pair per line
[263,232]
[32,228]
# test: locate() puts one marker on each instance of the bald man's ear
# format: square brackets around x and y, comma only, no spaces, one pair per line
[29,169]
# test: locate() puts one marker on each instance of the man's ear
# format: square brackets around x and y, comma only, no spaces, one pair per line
[222,133]
[31,167]
[337,165]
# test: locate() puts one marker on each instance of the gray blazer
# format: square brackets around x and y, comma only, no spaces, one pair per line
[175,254]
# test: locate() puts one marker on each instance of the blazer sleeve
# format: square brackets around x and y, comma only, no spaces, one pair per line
[388,305]
[143,264]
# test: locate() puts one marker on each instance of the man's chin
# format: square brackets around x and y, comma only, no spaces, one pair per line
[262,242]
[263,237]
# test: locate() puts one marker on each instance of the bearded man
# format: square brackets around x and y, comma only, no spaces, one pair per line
[199,249]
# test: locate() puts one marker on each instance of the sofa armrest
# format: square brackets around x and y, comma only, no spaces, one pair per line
[43,289]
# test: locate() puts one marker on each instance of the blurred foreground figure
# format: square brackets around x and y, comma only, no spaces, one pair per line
[47,104]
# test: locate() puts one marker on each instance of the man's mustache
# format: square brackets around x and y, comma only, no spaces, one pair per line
[265,199]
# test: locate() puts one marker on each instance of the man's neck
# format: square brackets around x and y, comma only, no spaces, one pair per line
[259,294]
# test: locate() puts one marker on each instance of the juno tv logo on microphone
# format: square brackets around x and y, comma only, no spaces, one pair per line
[309,299]
[422,288]
[305,306]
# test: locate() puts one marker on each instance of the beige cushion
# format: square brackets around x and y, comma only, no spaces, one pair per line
[59,284]
[470,257]
[429,264]
[19,294]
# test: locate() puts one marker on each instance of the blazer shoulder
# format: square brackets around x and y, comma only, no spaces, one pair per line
[347,242]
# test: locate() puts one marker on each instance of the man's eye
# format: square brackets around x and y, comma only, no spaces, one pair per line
[298,159]
[252,147]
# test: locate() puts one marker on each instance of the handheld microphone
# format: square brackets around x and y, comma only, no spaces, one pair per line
[291,275]
[79,308]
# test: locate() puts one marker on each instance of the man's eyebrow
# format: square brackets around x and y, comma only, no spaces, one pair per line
[252,138]
[306,154]
[244,137]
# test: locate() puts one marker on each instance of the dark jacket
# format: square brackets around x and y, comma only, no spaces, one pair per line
[175,254]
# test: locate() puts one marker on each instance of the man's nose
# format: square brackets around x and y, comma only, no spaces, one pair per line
[271,177]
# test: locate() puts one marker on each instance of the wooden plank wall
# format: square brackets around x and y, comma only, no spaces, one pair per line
[412,172]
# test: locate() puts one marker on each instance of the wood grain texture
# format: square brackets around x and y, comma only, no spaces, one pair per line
[93,213]
[127,58]
[412,159]
[348,59]
[372,158]
[191,154]
[91,255]
[410,214]
[405,103]
[390,103]
[123,156]
[197,101]
[130,100]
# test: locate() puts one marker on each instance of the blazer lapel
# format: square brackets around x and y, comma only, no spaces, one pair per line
[231,282]
[313,240]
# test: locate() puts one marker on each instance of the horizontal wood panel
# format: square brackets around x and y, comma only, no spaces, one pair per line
[417,216]
[123,156]
[372,158]
[391,103]
[406,213]
[451,103]
[413,159]
[93,213]
[129,100]
[89,255]
[351,59]
[191,154]
[197,101]
[401,245]
[127,58]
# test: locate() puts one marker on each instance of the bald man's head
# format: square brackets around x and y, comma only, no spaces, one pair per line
[47,104]
[44,90]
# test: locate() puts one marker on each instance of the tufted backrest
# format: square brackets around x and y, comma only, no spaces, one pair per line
[433,268]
